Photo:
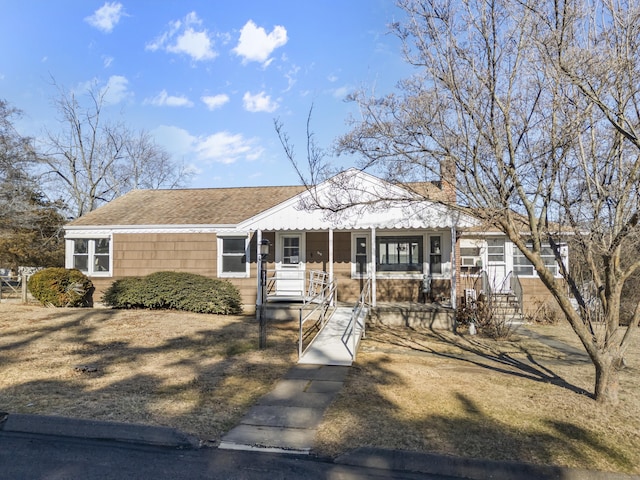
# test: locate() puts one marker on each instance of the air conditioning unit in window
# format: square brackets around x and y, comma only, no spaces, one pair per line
[471,261]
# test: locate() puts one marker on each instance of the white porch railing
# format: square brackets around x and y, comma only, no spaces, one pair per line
[286,283]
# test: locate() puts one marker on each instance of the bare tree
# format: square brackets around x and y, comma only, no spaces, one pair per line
[17,160]
[30,225]
[534,106]
[93,159]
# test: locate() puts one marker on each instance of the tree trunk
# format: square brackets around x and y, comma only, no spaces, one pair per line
[607,381]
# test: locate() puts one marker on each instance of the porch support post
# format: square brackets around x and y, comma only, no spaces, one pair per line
[454,268]
[259,277]
[373,267]
[331,257]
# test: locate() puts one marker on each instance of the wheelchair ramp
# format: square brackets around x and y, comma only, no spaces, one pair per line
[334,345]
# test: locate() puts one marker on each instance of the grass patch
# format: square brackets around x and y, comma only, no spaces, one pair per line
[195,372]
[414,390]
[475,397]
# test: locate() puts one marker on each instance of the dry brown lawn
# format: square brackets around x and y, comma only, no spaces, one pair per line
[476,397]
[413,390]
[198,373]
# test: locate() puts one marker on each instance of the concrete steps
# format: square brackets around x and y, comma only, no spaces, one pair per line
[506,308]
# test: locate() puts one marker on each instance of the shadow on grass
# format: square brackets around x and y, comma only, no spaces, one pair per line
[470,432]
[481,355]
[201,381]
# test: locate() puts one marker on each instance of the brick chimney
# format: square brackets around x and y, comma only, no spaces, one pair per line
[448,180]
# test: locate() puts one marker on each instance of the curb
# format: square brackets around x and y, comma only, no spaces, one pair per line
[96,430]
[471,468]
[366,457]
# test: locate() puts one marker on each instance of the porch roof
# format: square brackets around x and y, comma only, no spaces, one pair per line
[400,215]
[356,200]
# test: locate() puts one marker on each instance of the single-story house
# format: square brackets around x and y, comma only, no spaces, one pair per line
[414,250]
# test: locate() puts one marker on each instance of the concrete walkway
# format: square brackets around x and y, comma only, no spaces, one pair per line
[286,420]
[334,345]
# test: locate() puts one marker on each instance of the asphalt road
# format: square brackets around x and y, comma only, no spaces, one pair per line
[33,457]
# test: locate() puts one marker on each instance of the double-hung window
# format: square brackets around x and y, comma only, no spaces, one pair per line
[399,254]
[92,256]
[233,257]
[523,267]
[435,255]
[360,256]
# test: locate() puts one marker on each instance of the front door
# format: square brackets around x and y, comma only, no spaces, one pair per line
[497,265]
[290,266]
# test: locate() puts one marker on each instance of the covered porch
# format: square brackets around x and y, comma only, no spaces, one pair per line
[415,267]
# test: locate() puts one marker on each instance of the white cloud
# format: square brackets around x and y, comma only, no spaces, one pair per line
[255,45]
[291,77]
[260,102]
[186,36]
[107,61]
[341,92]
[116,89]
[220,147]
[163,99]
[215,101]
[224,147]
[106,17]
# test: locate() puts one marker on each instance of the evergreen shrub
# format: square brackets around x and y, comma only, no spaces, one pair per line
[61,287]
[175,290]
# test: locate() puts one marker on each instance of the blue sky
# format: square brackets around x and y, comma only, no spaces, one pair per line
[206,78]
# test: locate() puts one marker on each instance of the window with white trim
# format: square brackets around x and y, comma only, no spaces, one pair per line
[92,256]
[523,267]
[435,255]
[360,257]
[399,254]
[233,257]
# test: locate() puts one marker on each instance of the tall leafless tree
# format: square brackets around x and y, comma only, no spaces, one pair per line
[92,159]
[30,225]
[17,161]
[535,108]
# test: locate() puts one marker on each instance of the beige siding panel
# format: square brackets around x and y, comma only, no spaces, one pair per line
[536,295]
[410,290]
[101,284]
[317,247]
[342,247]
[142,254]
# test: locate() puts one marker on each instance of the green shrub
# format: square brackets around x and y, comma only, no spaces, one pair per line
[61,287]
[125,293]
[175,290]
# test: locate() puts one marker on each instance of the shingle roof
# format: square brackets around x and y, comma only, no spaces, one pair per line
[208,206]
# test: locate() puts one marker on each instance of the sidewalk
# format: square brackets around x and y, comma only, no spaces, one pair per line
[362,460]
[286,420]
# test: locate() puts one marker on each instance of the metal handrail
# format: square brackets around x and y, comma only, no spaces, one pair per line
[516,288]
[486,283]
[322,301]
[363,299]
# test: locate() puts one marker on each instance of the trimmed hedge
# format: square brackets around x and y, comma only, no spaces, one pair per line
[176,291]
[61,287]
